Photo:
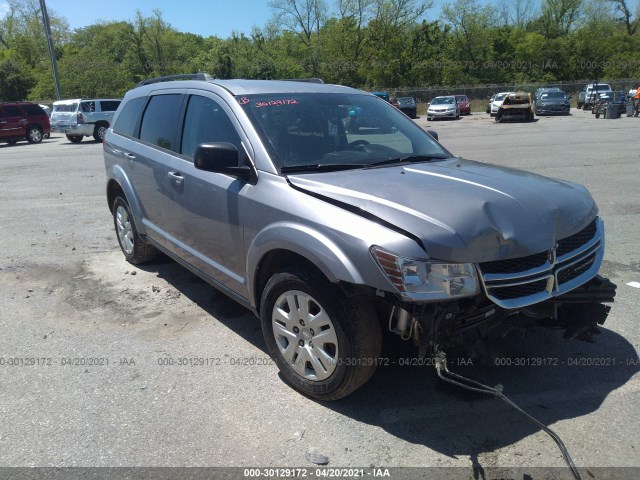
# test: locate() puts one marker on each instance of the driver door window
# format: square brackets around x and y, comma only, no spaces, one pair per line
[206,122]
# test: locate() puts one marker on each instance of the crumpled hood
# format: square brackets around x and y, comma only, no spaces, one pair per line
[463,211]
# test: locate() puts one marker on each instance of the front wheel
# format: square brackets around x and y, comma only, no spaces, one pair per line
[325,345]
[74,138]
[34,135]
[135,250]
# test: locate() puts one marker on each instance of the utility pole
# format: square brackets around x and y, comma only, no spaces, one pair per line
[52,53]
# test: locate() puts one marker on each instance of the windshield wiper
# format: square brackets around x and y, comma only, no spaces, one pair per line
[318,167]
[409,158]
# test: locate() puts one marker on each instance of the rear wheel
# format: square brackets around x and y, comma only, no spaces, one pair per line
[325,345]
[135,250]
[99,132]
[34,135]
[74,138]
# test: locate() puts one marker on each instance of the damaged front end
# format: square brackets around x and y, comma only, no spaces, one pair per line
[559,288]
[472,325]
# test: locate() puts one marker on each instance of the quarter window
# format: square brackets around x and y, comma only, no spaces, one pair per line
[158,122]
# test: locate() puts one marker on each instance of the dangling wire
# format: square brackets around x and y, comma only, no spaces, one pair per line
[441,366]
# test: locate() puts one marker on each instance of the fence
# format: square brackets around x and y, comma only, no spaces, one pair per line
[422,94]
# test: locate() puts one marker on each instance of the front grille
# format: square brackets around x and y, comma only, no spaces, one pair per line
[574,242]
[519,282]
[514,265]
[518,291]
[576,269]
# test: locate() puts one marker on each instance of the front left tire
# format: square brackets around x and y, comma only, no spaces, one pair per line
[325,344]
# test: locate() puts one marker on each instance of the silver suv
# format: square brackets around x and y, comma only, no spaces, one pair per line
[81,118]
[335,218]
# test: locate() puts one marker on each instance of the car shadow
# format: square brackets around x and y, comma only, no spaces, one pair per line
[24,143]
[550,377]
[224,309]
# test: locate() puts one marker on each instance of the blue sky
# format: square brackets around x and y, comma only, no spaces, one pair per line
[202,17]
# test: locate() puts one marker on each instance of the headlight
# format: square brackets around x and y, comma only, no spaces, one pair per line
[427,279]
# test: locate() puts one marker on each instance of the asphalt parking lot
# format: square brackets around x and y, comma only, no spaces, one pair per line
[103,364]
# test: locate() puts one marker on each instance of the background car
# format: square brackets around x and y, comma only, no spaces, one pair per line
[408,106]
[23,121]
[515,106]
[497,102]
[464,104]
[443,107]
[83,118]
[489,102]
[552,102]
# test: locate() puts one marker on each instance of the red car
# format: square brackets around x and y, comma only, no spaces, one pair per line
[464,103]
[23,121]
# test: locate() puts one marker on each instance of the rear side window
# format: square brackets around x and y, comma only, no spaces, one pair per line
[33,110]
[88,107]
[109,105]
[12,111]
[159,121]
[129,116]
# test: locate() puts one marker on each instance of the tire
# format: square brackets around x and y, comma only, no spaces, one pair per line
[34,135]
[12,141]
[135,250]
[579,106]
[597,115]
[99,132]
[74,138]
[293,303]
[429,119]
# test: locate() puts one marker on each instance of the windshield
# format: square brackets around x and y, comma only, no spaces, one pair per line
[443,101]
[553,95]
[500,97]
[325,130]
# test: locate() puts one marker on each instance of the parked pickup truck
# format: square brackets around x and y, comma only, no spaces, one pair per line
[589,94]
[83,118]
[331,235]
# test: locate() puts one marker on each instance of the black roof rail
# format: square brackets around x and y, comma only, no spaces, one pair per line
[170,78]
[310,80]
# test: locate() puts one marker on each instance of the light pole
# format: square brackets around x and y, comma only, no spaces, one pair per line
[52,53]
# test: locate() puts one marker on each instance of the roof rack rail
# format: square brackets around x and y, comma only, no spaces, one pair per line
[309,80]
[170,78]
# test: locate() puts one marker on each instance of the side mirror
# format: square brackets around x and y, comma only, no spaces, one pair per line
[433,134]
[221,157]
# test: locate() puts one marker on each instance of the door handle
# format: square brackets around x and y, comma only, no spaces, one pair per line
[176,177]
[130,156]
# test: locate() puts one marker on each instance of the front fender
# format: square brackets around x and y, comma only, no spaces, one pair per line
[315,246]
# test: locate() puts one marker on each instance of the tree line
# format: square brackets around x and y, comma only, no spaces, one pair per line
[367,44]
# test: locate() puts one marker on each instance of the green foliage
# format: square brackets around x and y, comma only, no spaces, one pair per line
[370,44]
